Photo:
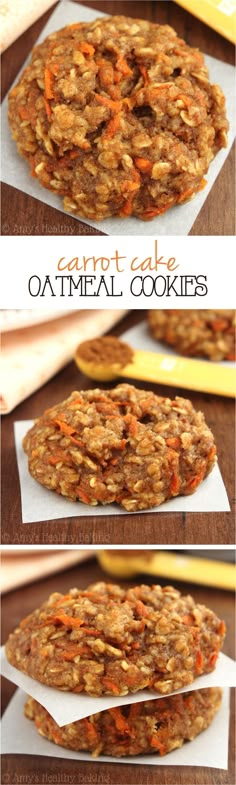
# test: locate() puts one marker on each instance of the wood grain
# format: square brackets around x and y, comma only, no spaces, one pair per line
[34,771]
[170,528]
[23,215]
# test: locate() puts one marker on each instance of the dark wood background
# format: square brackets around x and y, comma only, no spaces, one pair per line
[149,528]
[32,770]
[21,214]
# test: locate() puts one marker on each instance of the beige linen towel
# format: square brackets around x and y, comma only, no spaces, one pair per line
[30,357]
[20,567]
[17,15]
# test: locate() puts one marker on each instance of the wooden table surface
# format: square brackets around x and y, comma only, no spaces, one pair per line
[32,770]
[186,528]
[21,214]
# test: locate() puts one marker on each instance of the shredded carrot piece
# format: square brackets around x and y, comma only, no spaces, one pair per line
[68,430]
[127,207]
[60,456]
[69,654]
[76,400]
[193,484]
[123,66]
[131,185]
[48,109]
[141,608]
[202,185]
[185,195]
[164,86]
[213,658]
[212,452]
[143,164]
[144,73]
[54,68]
[68,621]
[187,619]
[133,426]
[73,154]
[156,743]
[173,441]
[187,101]
[106,73]
[110,685]
[91,731]
[43,652]
[24,112]
[57,737]
[94,595]
[142,625]
[64,427]
[63,599]
[219,325]
[128,103]
[122,444]
[199,662]
[112,127]
[83,496]
[175,483]
[86,48]
[115,106]
[32,167]
[120,721]
[49,84]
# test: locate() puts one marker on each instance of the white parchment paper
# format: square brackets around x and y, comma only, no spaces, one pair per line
[178,220]
[210,748]
[40,504]
[67,707]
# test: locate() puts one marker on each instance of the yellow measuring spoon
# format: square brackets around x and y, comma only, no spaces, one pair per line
[104,359]
[166,564]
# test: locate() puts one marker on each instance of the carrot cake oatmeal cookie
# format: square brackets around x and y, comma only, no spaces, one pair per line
[122,445]
[156,726]
[207,333]
[113,641]
[118,117]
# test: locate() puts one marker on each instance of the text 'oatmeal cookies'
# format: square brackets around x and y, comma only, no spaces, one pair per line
[204,333]
[113,641]
[156,726]
[118,116]
[124,445]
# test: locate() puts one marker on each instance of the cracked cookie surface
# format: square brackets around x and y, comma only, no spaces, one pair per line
[124,445]
[113,641]
[141,728]
[118,117]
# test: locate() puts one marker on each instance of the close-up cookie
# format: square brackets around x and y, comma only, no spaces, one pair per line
[156,726]
[122,445]
[108,640]
[118,117]
[196,333]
